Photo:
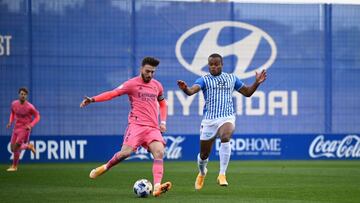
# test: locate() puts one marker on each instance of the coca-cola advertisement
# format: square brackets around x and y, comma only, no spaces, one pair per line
[328,147]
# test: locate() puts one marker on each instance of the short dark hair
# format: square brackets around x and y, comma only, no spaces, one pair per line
[215,55]
[150,61]
[24,89]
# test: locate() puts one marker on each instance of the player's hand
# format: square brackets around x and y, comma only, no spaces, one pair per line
[87,100]
[260,77]
[28,127]
[182,85]
[162,127]
[8,125]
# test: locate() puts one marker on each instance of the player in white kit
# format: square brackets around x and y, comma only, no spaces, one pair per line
[219,117]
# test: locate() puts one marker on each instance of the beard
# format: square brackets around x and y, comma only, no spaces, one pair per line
[145,79]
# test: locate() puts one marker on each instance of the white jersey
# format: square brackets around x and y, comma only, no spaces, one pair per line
[218,94]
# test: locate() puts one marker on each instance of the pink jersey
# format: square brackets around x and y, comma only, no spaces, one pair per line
[23,113]
[144,100]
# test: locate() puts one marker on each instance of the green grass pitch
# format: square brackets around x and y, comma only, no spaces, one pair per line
[249,181]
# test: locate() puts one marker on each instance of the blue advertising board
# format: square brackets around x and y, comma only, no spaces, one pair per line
[186,147]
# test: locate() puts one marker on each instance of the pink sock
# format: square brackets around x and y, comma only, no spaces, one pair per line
[158,170]
[113,161]
[23,146]
[16,158]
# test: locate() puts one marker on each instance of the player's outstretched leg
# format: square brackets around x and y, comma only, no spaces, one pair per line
[161,188]
[117,158]
[200,179]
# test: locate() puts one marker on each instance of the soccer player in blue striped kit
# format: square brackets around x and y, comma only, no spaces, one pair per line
[219,117]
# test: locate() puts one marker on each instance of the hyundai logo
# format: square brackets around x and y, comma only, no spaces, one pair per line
[244,50]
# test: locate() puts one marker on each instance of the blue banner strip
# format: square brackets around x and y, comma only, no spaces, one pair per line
[184,148]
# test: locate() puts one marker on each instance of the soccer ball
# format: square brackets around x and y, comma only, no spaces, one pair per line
[142,188]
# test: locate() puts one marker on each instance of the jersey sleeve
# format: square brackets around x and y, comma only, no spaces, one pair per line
[161,93]
[123,88]
[238,83]
[200,81]
[105,96]
[36,115]
[12,114]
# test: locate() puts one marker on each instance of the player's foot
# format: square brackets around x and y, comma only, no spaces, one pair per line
[97,171]
[12,168]
[32,148]
[200,179]
[221,179]
[159,189]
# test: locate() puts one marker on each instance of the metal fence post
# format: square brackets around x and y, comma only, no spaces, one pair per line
[328,67]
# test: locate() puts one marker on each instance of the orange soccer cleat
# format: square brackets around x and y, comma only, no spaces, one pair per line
[200,179]
[160,189]
[32,148]
[221,179]
[98,171]
[12,168]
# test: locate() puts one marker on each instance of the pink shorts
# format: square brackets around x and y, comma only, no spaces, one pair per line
[20,136]
[141,135]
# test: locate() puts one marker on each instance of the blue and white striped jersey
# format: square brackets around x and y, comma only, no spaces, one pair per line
[218,94]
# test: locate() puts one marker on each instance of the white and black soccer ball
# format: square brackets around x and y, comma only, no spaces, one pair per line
[143,188]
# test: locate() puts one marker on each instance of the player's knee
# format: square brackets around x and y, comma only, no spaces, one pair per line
[158,154]
[226,133]
[14,147]
[225,136]
[204,155]
[225,139]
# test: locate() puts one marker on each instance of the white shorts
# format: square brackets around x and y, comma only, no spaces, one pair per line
[209,128]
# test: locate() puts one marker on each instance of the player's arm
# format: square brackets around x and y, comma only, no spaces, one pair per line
[188,90]
[105,96]
[36,119]
[11,119]
[249,90]
[163,113]
[163,108]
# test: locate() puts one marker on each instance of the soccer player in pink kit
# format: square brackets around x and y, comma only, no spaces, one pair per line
[22,112]
[145,96]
